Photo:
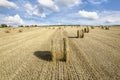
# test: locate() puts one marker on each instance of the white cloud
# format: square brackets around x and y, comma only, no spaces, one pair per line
[68,3]
[110,17]
[8,4]
[88,15]
[49,4]
[97,1]
[15,20]
[103,18]
[34,10]
[110,21]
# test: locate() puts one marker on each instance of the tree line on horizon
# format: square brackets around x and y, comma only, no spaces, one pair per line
[5,25]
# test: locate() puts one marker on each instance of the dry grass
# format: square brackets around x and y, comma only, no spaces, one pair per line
[94,58]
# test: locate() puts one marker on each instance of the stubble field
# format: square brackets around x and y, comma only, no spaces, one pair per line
[25,54]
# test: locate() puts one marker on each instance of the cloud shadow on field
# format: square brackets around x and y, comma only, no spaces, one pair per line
[44,55]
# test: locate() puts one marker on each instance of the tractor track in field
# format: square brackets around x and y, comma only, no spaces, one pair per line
[96,71]
[81,60]
[114,43]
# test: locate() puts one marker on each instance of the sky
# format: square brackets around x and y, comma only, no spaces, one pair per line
[60,12]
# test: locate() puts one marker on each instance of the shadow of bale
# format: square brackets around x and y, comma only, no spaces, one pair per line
[44,55]
[72,37]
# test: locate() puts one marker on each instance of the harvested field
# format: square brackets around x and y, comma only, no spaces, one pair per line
[25,54]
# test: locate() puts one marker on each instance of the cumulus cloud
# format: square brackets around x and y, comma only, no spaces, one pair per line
[8,4]
[110,17]
[49,4]
[110,20]
[15,20]
[68,3]
[88,15]
[34,10]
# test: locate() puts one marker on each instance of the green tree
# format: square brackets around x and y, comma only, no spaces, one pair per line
[21,26]
[3,25]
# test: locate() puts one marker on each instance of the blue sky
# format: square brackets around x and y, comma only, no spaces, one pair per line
[46,12]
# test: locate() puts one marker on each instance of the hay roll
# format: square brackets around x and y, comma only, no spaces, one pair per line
[57,55]
[53,51]
[106,28]
[80,34]
[66,50]
[92,27]
[86,30]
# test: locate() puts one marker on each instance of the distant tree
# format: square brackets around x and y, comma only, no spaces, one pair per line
[21,26]
[3,25]
[27,26]
[35,25]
